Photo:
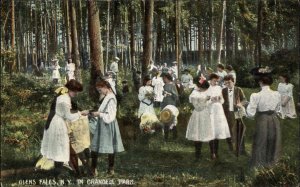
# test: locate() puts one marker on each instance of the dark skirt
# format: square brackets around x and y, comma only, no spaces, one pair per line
[267,140]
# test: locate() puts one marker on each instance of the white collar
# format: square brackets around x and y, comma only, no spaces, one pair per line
[263,88]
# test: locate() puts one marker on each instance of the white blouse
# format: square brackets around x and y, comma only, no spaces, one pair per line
[108,111]
[215,91]
[265,100]
[142,93]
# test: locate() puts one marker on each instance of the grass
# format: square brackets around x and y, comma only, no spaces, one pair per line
[160,163]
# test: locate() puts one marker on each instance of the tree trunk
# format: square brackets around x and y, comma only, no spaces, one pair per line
[229,32]
[13,63]
[75,50]
[132,34]
[210,33]
[259,32]
[219,46]
[200,41]
[107,35]
[147,47]
[95,46]
[177,36]
[67,26]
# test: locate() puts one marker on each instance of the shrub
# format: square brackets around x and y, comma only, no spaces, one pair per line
[284,173]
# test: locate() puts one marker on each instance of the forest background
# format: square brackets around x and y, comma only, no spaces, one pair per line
[242,33]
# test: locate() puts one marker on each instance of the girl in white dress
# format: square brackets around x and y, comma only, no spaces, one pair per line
[146,96]
[70,69]
[158,84]
[55,144]
[55,71]
[285,89]
[199,128]
[217,115]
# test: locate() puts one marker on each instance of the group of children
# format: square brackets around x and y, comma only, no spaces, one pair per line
[219,109]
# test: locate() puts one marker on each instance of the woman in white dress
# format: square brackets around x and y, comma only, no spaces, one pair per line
[285,88]
[55,144]
[217,115]
[199,128]
[158,84]
[146,96]
[70,68]
[55,71]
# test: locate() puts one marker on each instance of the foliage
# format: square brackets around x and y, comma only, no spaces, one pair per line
[284,173]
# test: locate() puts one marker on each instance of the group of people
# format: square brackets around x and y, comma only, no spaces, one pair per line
[59,143]
[219,108]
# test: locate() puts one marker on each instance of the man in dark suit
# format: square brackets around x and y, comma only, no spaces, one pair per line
[234,95]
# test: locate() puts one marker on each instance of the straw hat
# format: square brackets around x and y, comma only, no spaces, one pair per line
[166,116]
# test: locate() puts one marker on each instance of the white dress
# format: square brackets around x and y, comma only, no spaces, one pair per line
[158,84]
[70,68]
[55,144]
[217,115]
[199,127]
[286,92]
[146,105]
[55,72]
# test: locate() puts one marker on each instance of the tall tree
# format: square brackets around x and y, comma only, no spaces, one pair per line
[13,65]
[97,67]
[219,46]
[131,29]
[259,31]
[75,48]
[147,47]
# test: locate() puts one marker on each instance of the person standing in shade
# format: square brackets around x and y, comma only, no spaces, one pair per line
[234,95]
[186,79]
[221,73]
[55,143]
[107,137]
[199,127]
[158,84]
[229,70]
[174,69]
[285,88]
[146,97]
[265,105]
[70,69]
[170,92]
[55,71]
[217,115]
[115,69]
[165,69]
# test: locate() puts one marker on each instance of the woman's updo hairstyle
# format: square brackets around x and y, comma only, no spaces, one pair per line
[74,86]
[103,83]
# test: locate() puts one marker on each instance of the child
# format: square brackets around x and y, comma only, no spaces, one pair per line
[199,128]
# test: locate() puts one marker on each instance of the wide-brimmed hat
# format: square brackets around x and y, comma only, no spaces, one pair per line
[166,116]
[117,58]
[174,62]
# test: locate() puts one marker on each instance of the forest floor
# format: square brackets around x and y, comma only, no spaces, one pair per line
[148,160]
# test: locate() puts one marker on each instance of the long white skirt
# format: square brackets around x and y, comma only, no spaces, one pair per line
[219,121]
[289,109]
[199,127]
[55,143]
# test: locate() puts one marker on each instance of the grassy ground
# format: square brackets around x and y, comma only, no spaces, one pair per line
[150,161]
